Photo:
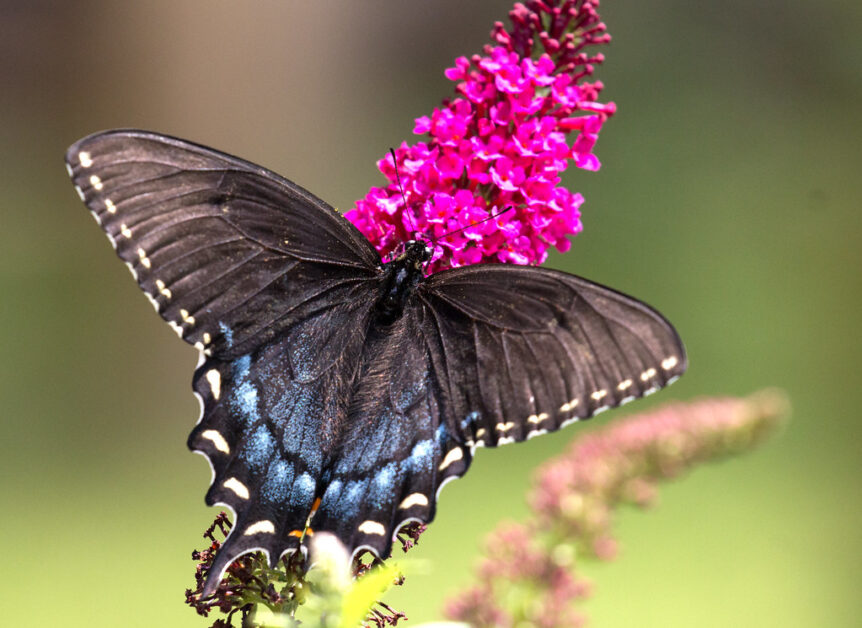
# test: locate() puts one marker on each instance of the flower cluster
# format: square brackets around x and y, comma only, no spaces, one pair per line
[249,582]
[332,590]
[527,576]
[516,560]
[501,143]
[576,493]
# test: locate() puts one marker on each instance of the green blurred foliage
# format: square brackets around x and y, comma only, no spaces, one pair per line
[728,199]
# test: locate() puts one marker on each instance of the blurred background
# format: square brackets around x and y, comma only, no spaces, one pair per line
[728,198]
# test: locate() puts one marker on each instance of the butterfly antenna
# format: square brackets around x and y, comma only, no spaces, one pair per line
[478,222]
[401,189]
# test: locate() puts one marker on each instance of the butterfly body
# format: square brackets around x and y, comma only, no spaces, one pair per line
[402,274]
[339,393]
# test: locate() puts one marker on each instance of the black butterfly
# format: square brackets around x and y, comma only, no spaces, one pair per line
[339,392]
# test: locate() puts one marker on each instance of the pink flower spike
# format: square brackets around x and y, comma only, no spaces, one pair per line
[576,494]
[523,110]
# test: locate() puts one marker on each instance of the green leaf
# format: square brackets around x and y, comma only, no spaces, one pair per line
[365,592]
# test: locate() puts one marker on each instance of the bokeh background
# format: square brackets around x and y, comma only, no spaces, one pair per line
[729,197]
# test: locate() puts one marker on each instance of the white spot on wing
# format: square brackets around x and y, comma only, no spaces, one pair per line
[569,405]
[132,270]
[372,527]
[505,440]
[647,374]
[504,427]
[109,205]
[625,384]
[96,182]
[535,433]
[127,233]
[177,328]
[214,379]
[152,301]
[569,421]
[80,192]
[142,255]
[453,456]
[166,292]
[537,418]
[84,158]
[669,363]
[217,440]
[444,483]
[599,394]
[239,489]
[201,414]
[414,499]
[263,526]
[69,170]
[187,318]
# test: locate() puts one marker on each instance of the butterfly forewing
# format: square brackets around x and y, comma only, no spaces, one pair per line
[229,253]
[521,350]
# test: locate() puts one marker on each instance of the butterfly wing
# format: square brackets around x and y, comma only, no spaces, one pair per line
[275,288]
[270,423]
[229,253]
[520,351]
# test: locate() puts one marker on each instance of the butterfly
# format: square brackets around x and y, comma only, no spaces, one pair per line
[339,391]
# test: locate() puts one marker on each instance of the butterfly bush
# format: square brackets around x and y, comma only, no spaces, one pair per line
[523,110]
[528,575]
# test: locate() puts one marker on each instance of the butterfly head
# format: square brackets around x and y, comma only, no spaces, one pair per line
[418,253]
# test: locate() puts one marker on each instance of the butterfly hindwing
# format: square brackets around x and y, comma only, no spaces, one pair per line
[270,424]
[396,451]
[216,242]
[525,350]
